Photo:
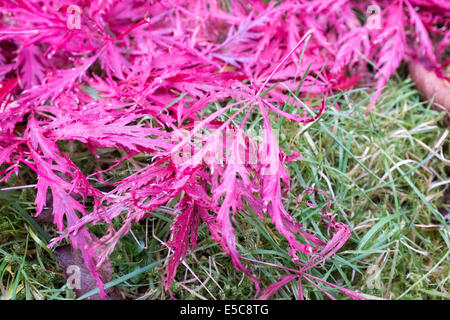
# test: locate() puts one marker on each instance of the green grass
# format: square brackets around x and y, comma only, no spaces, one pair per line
[385,175]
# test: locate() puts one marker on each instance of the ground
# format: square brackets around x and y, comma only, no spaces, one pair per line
[386,174]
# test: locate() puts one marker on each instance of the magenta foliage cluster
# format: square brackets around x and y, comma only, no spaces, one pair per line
[167,61]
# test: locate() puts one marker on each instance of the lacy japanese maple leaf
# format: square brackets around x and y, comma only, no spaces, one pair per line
[139,77]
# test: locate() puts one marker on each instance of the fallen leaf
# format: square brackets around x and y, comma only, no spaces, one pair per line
[68,258]
[432,87]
